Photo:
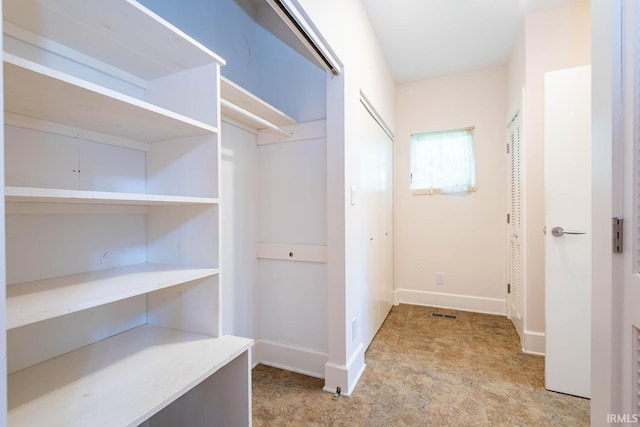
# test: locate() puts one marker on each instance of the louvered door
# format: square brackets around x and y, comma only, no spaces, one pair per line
[515,296]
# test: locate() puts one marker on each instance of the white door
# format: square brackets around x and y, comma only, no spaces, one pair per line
[376,188]
[515,256]
[386,223]
[368,205]
[567,219]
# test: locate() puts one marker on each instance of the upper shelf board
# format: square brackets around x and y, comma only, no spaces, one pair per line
[34,90]
[121,33]
[236,95]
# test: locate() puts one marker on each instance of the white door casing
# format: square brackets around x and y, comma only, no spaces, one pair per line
[629,320]
[568,254]
[607,189]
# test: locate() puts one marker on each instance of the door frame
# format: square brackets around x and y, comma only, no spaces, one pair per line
[628,291]
[607,181]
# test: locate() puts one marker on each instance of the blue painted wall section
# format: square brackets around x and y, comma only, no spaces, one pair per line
[256,59]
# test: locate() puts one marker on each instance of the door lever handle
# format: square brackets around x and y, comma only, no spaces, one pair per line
[559,231]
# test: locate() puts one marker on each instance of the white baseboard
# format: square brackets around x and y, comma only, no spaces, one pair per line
[396,297]
[290,358]
[534,343]
[345,376]
[254,359]
[453,301]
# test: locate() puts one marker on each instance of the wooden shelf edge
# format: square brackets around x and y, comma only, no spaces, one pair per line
[58,81]
[54,195]
[25,122]
[177,32]
[31,302]
[146,369]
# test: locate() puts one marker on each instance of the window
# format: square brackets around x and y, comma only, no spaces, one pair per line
[443,162]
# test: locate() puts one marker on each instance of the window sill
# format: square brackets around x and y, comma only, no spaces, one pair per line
[425,192]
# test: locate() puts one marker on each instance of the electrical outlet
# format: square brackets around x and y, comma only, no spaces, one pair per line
[440,278]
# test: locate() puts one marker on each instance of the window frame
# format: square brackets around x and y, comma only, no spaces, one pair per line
[471,187]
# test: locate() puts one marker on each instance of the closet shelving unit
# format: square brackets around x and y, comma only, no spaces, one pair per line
[112,154]
[247,109]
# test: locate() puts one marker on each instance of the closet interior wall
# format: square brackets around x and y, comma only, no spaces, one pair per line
[275,229]
[291,250]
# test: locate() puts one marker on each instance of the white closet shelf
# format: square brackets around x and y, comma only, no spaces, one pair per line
[55,195]
[120,381]
[243,106]
[36,91]
[103,30]
[31,302]
[249,119]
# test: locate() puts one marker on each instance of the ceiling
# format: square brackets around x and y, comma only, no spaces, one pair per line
[429,38]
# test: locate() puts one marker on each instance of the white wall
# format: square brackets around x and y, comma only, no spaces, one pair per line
[345,26]
[289,81]
[516,76]
[461,236]
[292,189]
[275,194]
[239,228]
[292,206]
[553,40]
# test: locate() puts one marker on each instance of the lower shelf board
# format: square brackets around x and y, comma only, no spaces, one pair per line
[120,381]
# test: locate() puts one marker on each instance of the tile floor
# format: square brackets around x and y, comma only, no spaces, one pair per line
[425,371]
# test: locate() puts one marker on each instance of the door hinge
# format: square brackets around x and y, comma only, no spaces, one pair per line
[508,288]
[508,151]
[508,218]
[616,234]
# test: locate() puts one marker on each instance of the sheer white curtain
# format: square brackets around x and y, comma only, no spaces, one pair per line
[443,162]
